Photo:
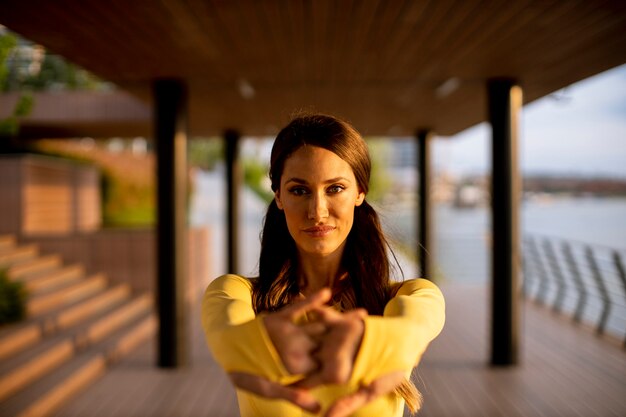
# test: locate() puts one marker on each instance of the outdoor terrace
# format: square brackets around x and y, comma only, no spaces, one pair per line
[565,371]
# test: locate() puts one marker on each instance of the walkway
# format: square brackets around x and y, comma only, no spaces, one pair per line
[566,371]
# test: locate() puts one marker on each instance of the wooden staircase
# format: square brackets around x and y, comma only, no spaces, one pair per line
[77,326]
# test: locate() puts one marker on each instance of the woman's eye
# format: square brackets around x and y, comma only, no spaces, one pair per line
[298,191]
[334,189]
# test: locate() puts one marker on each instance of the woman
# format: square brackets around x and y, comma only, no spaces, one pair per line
[323,329]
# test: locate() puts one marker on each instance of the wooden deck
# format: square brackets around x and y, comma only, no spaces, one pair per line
[566,371]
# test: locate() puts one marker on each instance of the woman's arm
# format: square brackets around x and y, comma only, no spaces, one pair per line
[237,337]
[397,340]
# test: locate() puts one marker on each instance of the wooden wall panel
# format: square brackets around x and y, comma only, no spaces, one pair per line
[87,199]
[47,201]
[48,195]
[9,194]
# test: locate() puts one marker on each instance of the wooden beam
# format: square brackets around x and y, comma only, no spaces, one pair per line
[170,98]
[425,224]
[505,101]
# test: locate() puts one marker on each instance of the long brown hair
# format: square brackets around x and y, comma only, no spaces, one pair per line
[368,284]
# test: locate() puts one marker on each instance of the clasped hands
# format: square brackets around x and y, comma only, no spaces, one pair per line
[323,350]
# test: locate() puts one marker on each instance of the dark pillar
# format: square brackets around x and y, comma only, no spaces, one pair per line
[425,226]
[233,180]
[505,102]
[170,131]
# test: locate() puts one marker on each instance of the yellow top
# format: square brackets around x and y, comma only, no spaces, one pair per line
[396,341]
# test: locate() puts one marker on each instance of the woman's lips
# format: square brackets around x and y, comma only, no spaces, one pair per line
[319,231]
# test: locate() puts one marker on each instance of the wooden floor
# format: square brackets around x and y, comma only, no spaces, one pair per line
[565,371]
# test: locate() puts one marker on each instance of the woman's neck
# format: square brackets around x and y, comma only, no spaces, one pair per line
[317,272]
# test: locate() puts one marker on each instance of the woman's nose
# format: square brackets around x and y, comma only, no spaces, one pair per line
[318,208]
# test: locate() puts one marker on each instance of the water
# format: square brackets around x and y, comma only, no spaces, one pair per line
[597,221]
[461,235]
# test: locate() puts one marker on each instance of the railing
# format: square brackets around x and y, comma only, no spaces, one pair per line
[586,281]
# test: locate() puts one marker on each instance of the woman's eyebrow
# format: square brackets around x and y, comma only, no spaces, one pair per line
[305,182]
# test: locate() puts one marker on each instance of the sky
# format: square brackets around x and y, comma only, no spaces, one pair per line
[580,130]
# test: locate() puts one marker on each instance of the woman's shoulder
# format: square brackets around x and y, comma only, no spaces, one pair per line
[230,282]
[412,285]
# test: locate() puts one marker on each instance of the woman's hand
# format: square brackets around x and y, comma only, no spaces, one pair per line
[324,350]
[383,385]
[295,344]
[269,389]
[338,348]
[302,398]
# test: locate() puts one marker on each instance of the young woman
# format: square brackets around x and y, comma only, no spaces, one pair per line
[323,329]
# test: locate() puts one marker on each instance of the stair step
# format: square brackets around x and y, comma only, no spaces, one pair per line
[78,380]
[6,242]
[50,354]
[37,367]
[88,308]
[106,325]
[19,339]
[17,255]
[44,397]
[55,280]
[21,336]
[34,266]
[45,303]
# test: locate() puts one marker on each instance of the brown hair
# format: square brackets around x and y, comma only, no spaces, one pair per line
[368,284]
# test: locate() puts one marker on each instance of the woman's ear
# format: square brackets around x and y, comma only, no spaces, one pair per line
[279,204]
[360,198]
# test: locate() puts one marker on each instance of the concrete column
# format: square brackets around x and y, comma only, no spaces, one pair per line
[170,134]
[505,102]
[425,225]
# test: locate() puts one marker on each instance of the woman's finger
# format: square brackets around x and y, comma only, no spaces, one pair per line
[338,346]
[331,316]
[268,389]
[299,308]
[380,386]
[311,380]
[315,329]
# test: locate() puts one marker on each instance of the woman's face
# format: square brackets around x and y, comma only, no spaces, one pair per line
[318,193]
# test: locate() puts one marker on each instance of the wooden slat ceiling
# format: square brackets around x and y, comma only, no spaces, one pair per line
[378,63]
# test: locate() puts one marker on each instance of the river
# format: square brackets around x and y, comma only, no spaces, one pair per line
[461,235]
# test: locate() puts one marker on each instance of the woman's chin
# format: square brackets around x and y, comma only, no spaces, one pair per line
[320,250]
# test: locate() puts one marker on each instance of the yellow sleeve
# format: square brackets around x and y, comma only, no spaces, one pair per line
[397,340]
[236,336]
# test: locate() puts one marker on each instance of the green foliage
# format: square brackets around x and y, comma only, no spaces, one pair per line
[57,73]
[380,181]
[13,298]
[10,126]
[7,43]
[25,66]
[205,153]
[255,177]
[126,203]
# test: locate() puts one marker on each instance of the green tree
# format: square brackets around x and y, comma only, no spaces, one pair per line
[26,67]
[380,181]
[13,299]
[10,125]
[256,176]
[204,153]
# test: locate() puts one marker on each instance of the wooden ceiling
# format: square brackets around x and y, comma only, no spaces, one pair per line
[385,65]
